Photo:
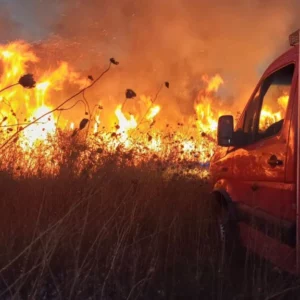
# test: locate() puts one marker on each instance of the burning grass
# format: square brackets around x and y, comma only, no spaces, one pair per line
[35,133]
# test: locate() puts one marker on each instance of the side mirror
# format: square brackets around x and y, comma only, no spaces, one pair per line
[225,131]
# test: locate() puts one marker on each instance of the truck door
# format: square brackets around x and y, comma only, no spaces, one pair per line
[260,166]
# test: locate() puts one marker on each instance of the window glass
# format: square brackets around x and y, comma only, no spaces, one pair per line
[275,96]
[266,111]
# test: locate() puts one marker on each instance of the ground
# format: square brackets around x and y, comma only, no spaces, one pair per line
[124,233]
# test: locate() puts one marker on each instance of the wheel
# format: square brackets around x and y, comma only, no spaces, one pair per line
[229,249]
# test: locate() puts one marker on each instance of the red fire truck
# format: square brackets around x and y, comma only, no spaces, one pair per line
[256,169]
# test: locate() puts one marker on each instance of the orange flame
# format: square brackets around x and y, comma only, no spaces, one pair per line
[153,112]
[125,125]
[40,131]
[195,141]
[207,118]
[30,104]
[270,115]
[97,123]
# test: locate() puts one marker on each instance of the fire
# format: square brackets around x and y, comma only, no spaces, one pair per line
[270,115]
[15,57]
[213,83]
[124,125]
[131,133]
[138,132]
[42,129]
[96,124]
[62,74]
[207,117]
[153,112]
[283,101]
[155,144]
[19,106]
[188,146]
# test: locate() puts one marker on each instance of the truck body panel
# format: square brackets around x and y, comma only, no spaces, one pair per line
[261,178]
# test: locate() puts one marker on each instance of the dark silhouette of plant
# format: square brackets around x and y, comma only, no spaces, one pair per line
[83,123]
[74,132]
[113,61]
[130,94]
[27,81]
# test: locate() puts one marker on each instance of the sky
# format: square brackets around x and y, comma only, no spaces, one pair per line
[157,41]
[32,20]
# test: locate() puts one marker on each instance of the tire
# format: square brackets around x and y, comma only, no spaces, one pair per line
[230,251]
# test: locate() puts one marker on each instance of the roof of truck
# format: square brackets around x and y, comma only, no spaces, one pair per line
[291,55]
[292,51]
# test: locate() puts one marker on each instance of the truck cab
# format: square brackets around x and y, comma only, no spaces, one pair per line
[255,170]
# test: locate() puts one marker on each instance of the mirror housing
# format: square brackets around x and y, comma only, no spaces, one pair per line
[225,131]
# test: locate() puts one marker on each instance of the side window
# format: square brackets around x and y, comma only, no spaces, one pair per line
[245,132]
[275,96]
[266,111]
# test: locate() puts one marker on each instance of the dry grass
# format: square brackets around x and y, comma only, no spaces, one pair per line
[125,233]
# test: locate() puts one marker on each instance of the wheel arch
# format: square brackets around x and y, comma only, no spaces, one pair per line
[222,197]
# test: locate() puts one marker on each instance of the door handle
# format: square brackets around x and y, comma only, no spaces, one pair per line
[274,161]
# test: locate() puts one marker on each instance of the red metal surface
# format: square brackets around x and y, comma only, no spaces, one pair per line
[244,174]
[297,165]
[280,255]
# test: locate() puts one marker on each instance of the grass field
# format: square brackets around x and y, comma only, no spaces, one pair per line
[124,233]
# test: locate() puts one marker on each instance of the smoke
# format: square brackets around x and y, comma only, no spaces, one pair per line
[176,41]
[8,27]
